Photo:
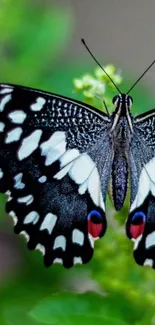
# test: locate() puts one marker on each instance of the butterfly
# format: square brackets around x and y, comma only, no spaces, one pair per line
[57,157]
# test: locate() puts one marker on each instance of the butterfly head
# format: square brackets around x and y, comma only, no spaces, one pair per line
[121,114]
[122,100]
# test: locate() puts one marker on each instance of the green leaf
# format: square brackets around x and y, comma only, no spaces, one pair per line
[68,308]
[17,315]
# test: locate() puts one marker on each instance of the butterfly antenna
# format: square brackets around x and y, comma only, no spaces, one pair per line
[105,105]
[106,108]
[140,77]
[84,43]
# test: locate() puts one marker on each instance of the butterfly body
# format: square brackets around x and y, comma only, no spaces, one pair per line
[57,156]
[121,134]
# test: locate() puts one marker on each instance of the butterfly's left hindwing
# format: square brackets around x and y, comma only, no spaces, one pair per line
[53,170]
[140,226]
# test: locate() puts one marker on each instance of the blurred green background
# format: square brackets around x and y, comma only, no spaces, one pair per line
[111,289]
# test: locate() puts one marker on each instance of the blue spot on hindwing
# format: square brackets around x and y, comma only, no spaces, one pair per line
[94,213]
[138,216]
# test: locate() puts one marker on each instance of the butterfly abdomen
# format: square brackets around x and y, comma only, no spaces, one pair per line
[119,180]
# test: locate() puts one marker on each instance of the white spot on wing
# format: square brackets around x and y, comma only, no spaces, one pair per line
[94,187]
[148,262]
[17,116]
[81,168]
[40,101]
[25,234]
[60,242]
[9,197]
[26,199]
[77,237]
[136,241]
[33,217]
[83,187]
[1,173]
[40,248]
[29,144]
[63,172]
[91,239]
[13,135]
[102,205]
[49,222]
[4,101]
[6,90]
[6,86]
[66,162]
[2,126]
[18,181]
[14,217]
[83,172]
[53,148]
[77,260]
[58,260]
[69,156]
[150,240]
[146,184]
[42,179]
[8,192]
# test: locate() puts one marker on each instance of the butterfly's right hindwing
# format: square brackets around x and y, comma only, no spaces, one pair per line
[140,226]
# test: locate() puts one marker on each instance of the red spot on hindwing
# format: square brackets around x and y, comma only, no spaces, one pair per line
[137,230]
[95,229]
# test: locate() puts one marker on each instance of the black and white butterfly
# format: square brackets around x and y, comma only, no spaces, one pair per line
[57,156]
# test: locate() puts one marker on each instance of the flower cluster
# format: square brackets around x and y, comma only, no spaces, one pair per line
[98,85]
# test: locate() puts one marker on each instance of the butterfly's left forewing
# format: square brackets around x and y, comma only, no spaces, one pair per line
[54,170]
[140,224]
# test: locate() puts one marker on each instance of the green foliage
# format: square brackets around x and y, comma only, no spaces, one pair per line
[71,308]
[31,44]
[31,40]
